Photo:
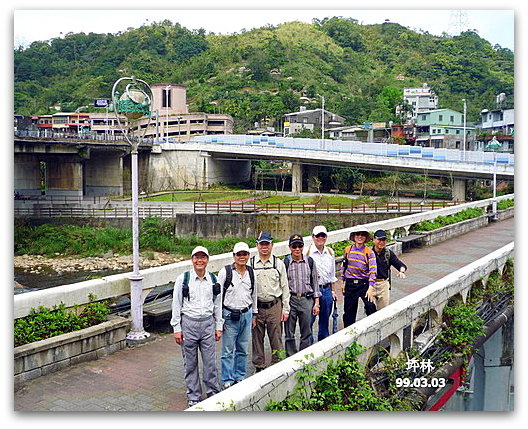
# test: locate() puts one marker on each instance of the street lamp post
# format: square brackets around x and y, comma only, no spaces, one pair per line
[167,90]
[322,120]
[134,103]
[179,124]
[464,137]
[493,145]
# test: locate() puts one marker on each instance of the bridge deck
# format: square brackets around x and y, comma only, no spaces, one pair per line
[150,377]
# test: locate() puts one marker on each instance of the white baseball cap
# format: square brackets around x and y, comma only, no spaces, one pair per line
[240,247]
[319,229]
[199,249]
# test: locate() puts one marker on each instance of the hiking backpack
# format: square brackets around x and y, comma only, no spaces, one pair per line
[185,285]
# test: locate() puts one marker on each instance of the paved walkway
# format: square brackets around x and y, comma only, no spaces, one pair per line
[150,377]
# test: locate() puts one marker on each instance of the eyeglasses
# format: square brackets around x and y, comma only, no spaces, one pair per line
[240,254]
[297,246]
[321,235]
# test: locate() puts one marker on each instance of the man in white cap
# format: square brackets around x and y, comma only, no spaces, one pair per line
[239,313]
[197,324]
[325,263]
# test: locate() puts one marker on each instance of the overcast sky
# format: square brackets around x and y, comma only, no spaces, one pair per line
[496,26]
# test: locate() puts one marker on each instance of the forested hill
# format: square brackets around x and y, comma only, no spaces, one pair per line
[263,73]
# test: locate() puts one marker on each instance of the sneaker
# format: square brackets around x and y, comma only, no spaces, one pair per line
[258,369]
[228,385]
[192,403]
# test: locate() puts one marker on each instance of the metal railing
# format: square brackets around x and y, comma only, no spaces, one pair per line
[112,212]
[290,208]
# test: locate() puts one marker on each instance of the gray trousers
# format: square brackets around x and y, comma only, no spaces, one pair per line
[199,334]
[300,310]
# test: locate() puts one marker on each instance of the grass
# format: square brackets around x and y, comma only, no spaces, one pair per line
[156,235]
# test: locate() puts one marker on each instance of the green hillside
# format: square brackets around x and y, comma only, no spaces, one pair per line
[263,73]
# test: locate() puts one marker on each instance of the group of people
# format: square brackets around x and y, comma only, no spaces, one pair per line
[263,295]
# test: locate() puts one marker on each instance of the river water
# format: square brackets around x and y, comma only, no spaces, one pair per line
[30,281]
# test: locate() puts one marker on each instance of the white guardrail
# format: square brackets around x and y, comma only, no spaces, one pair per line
[119,284]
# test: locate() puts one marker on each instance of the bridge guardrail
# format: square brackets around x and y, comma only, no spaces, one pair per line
[358,147]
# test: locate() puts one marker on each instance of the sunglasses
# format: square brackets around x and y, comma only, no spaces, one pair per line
[297,246]
[321,235]
[240,254]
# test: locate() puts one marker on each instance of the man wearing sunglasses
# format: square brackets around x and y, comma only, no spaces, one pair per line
[385,259]
[303,281]
[325,263]
[239,313]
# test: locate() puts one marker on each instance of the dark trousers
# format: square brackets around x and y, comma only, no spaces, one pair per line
[355,289]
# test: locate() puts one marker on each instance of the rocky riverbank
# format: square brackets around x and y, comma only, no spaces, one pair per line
[37,264]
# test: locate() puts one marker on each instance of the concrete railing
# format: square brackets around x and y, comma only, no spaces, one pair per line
[119,284]
[277,382]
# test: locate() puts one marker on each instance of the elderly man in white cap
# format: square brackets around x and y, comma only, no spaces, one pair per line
[239,313]
[197,324]
[325,262]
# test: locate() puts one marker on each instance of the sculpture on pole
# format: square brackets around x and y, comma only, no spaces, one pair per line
[134,103]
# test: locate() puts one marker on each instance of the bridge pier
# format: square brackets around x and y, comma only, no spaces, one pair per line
[27,175]
[64,176]
[103,174]
[296,177]
[459,189]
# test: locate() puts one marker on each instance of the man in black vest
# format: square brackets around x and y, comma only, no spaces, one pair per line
[385,259]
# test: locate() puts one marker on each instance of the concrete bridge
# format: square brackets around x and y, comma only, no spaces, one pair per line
[150,377]
[83,168]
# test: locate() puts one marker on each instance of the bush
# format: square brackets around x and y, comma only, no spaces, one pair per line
[46,323]
[441,221]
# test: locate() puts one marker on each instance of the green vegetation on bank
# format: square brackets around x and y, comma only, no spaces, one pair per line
[49,322]
[441,221]
[71,240]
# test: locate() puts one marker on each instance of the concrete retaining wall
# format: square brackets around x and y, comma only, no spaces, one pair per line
[56,353]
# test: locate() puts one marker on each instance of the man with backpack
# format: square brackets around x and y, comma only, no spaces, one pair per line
[359,277]
[303,281]
[325,263]
[385,259]
[239,311]
[273,301]
[197,323]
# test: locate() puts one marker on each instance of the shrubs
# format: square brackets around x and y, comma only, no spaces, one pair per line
[46,323]
[441,221]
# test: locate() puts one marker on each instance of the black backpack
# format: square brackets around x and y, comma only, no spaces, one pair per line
[229,278]
[185,285]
